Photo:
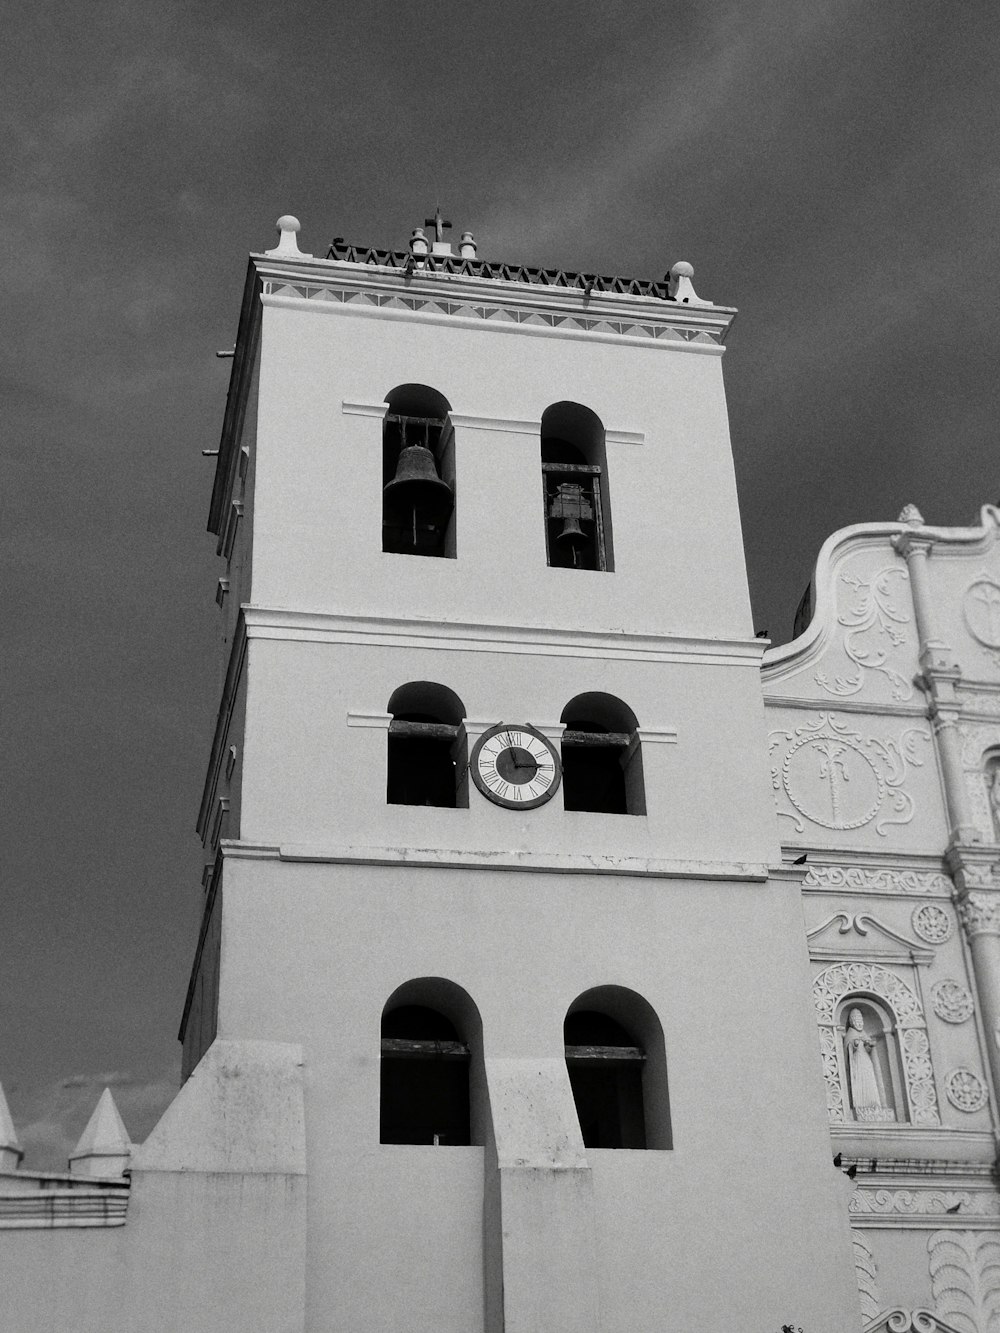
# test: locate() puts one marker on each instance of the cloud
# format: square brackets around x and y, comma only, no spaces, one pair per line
[50,1122]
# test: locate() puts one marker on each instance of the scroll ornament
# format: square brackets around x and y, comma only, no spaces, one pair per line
[837,778]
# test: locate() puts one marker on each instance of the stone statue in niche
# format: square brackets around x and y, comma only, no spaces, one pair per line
[868,1098]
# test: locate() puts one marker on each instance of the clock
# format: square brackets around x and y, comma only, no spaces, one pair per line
[514,765]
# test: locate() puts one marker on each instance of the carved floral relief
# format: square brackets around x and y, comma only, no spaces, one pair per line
[873,624]
[878,879]
[924,1203]
[932,923]
[866,1274]
[835,777]
[965,1090]
[965,1279]
[951,1001]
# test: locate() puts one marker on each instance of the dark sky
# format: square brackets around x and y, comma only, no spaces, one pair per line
[829,168]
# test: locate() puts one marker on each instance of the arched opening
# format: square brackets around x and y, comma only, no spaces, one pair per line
[575,488]
[429,1030]
[991,771]
[418,473]
[617,1070]
[602,756]
[426,762]
[872,1070]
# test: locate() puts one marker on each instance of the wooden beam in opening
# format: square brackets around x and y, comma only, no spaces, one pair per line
[402,1048]
[428,731]
[578,1054]
[616,738]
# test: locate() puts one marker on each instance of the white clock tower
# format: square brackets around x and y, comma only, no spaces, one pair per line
[497,934]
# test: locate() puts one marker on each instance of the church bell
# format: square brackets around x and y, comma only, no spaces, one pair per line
[571,505]
[417,503]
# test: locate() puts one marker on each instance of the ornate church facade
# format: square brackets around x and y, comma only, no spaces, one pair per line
[501,1020]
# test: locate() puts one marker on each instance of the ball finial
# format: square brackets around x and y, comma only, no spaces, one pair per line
[679,285]
[288,246]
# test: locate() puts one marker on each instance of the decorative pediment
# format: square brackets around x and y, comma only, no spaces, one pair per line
[909,1321]
[861,935]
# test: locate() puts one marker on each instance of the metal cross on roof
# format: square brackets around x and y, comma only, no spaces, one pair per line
[438,223]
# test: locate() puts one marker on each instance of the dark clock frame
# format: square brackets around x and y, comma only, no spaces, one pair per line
[503,801]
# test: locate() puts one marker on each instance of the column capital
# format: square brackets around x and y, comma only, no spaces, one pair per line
[979,911]
[909,544]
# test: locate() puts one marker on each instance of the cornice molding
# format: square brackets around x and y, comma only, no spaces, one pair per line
[843,705]
[462,636]
[525,861]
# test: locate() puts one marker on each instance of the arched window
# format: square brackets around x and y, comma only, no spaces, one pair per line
[617,1070]
[872,1071]
[427,747]
[575,489]
[601,757]
[429,1030]
[418,473]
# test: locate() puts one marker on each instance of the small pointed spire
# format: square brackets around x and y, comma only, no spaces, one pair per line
[11,1151]
[288,245]
[679,285]
[911,515]
[104,1148]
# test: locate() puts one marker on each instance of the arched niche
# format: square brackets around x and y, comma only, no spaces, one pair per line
[418,486]
[991,778]
[432,1087]
[871,984]
[426,760]
[617,1066]
[578,532]
[602,756]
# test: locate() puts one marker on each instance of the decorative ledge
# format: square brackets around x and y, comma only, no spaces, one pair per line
[539,640]
[633,866]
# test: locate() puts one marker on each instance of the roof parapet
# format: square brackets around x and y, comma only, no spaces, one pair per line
[426,255]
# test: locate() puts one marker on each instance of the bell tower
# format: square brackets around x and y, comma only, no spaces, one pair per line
[490,827]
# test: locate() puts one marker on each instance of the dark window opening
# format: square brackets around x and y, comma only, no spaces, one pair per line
[417,502]
[574,489]
[605,1073]
[601,757]
[593,775]
[426,747]
[422,768]
[424,1079]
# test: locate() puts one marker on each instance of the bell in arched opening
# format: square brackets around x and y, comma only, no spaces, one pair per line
[572,544]
[416,503]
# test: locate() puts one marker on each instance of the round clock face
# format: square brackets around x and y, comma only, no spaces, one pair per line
[515,766]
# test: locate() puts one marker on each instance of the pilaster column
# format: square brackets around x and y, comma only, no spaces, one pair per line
[979,910]
[940,673]
[949,743]
[935,654]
